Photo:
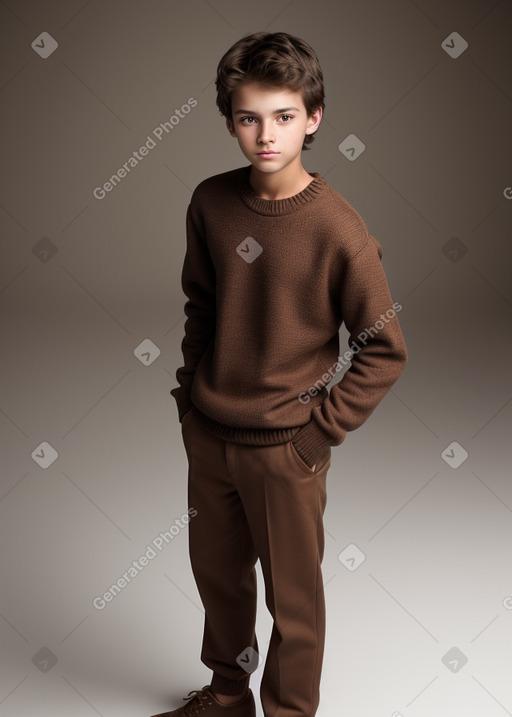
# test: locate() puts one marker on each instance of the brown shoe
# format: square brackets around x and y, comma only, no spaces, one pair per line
[205,701]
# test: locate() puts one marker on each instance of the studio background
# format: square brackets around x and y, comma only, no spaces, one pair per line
[93,470]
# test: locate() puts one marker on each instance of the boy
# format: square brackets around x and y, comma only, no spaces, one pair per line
[276,260]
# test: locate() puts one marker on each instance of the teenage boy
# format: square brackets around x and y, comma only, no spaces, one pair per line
[276,260]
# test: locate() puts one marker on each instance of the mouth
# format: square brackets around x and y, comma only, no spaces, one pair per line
[270,153]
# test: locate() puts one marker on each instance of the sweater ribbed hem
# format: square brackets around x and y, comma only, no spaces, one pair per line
[309,440]
[311,443]
[222,686]
[182,400]
[249,436]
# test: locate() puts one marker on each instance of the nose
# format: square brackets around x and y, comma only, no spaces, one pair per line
[266,133]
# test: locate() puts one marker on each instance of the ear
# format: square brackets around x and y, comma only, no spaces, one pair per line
[229,125]
[314,121]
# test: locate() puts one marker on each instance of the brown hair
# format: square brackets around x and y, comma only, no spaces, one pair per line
[271,60]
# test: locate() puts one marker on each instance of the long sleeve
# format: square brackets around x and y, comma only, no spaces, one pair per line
[198,284]
[379,355]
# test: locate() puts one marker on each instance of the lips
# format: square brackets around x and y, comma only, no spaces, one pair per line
[267,153]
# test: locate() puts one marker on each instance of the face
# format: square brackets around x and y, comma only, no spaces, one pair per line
[273,120]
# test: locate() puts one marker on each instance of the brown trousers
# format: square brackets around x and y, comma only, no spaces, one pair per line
[258,502]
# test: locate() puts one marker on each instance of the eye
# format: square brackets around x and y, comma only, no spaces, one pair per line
[246,118]
[290,117]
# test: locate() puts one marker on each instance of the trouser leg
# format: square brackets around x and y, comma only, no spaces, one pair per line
[222,557]
[284,501]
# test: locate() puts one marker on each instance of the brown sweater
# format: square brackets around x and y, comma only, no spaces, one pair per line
[269,283]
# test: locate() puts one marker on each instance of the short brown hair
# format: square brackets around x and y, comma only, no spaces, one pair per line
[271,59]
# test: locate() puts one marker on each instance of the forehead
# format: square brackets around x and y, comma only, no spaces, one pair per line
[257,98]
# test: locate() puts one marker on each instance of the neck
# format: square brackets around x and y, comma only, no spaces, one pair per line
[282,184]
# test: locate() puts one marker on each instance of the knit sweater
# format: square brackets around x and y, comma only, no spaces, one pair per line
[269,283]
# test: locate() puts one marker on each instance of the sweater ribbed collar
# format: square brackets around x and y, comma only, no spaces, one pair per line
[277,207]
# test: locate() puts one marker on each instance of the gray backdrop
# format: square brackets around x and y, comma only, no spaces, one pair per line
[418,521]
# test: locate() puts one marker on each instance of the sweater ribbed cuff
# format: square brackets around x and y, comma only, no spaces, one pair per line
[311,443]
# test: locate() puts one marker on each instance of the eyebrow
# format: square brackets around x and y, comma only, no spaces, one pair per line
[276,112]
